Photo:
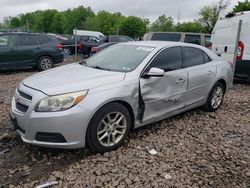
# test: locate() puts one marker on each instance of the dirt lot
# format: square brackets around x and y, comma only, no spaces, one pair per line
[194,149]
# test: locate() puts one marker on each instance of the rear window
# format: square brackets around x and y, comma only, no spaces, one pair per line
[27,40]
[193,39]
[192,57]
[166,36]
[44,39]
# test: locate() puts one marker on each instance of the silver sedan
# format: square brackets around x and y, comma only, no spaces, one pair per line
[97,102]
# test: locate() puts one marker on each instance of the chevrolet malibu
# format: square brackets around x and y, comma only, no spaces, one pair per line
[97,102]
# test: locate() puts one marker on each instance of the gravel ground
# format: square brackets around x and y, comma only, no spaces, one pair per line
[194,149]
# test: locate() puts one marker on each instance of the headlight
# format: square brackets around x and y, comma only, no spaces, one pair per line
[60,102]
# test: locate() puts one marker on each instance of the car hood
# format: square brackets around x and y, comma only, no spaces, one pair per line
[70,78]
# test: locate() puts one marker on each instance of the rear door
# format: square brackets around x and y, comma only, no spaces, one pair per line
[7,51]
[163,95]
[27,49]
[193,39]
[201,74]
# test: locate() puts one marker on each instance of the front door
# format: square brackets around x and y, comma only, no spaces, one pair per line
[162,95]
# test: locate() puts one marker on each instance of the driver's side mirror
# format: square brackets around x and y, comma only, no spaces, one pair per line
[154,72]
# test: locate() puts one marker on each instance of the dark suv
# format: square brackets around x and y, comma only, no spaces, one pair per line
[21,50]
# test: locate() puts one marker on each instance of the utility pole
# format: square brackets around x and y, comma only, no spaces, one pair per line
[178,16]
[27,25]
[75,42]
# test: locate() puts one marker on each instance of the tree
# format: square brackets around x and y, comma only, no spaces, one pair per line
[133,26]
[210,14]
[163,23]
[242,6]
[194,26]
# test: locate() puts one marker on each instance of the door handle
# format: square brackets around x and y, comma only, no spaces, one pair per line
[180,80]
[210,72]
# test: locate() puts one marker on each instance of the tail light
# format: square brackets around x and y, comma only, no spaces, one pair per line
[240,51]
[93,50]
[59,46]
[81,45]
[210,46]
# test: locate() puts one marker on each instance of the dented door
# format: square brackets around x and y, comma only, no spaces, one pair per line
[161,95]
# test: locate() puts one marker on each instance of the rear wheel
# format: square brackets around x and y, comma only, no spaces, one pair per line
[215,97]
[108,128]
[45,63]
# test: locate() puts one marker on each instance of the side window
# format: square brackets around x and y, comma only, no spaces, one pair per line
[93,39]
[207,40]
[7,40]
[206,58]
[168,59]
[113,38]
[124,39]
[44,39]
[27,40]
[193,39]
[166,36]
[192,57]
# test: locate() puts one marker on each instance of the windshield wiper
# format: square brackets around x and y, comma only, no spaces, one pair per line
[101,68]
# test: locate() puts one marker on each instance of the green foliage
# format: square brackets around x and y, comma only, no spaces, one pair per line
[195,27]
[133,26]
[242,6]
[64,22]
[163,23]
[210,14]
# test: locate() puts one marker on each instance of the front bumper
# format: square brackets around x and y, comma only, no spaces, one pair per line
[71,124]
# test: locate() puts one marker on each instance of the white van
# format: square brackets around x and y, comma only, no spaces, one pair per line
[96,34]
[224,38]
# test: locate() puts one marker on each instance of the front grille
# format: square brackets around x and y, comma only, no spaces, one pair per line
[50,137]
[24,95]
[21,107]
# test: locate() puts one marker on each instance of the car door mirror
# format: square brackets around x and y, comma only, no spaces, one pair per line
[155,72]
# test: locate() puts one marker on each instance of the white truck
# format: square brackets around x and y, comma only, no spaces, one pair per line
[224,38]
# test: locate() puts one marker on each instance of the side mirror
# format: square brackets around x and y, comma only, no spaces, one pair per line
[155,72]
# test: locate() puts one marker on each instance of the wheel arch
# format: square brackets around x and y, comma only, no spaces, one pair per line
[223,82]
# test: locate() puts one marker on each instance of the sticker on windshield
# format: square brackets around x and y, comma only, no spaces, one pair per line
[148,49]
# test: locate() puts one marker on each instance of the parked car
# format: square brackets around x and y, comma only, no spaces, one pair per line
[21,50]
[101,47]
[224,38]
[88,45]
[193,38]
[69,45]
[97,102]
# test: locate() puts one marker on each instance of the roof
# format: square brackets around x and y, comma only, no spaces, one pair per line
[161,44]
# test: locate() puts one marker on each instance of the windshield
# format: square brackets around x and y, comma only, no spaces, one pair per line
[122,58]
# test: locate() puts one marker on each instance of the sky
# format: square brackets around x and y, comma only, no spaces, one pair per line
[151,9]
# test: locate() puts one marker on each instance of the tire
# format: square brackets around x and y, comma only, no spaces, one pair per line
[45,63]
[215,98]
[104,135]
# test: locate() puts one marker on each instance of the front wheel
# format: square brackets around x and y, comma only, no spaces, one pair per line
[108,128]
[215,98]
